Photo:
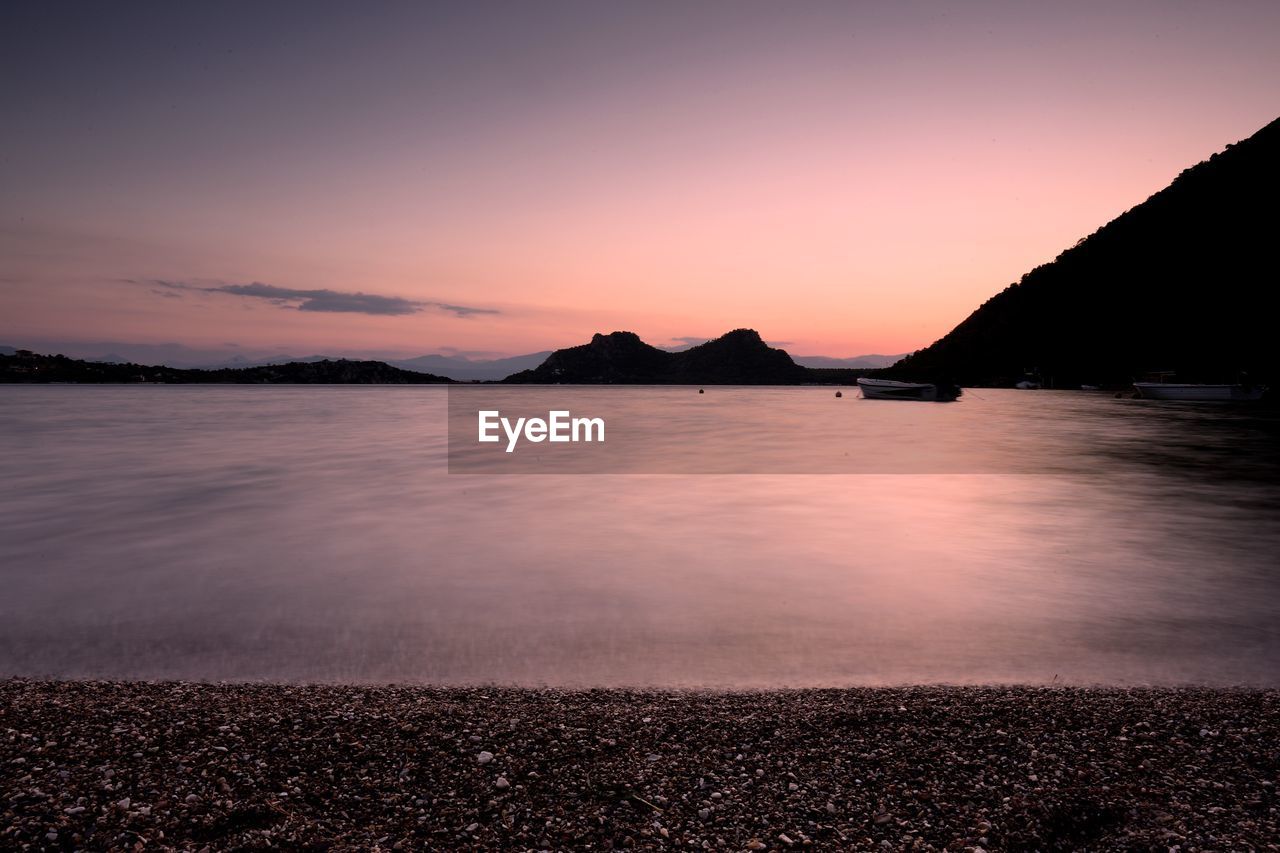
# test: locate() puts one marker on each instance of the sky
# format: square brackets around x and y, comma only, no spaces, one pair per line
[494,178]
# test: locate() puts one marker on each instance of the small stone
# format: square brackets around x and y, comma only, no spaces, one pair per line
[703,814]
[124,804]
[502,783]
[484,757]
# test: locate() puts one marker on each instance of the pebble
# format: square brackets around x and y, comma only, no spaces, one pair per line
[484,757]
[312,767]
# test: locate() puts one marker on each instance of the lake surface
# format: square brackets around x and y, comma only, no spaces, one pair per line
[315,533]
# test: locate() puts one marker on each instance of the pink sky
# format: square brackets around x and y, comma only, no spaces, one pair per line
[846,178]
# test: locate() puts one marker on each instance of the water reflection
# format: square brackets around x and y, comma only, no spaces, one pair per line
[312,533]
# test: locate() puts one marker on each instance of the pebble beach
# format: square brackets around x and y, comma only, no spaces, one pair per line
[90,765]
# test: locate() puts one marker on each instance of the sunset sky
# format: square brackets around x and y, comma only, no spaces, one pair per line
[501,178]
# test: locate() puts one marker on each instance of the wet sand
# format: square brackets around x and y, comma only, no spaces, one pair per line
[101,765]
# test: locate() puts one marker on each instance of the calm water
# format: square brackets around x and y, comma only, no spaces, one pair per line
[314,534]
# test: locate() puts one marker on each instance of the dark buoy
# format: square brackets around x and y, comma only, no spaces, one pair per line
[700,391]
[839,394]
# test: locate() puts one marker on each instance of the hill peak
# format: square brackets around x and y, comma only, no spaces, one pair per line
[740,357]
[616,339]
[739,337]
[1176,282]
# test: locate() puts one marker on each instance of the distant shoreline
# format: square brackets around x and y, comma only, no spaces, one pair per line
[109,764]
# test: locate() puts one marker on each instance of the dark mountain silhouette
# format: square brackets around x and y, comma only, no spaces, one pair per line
[617,358]
[1181,282]
[27,367]
[739,358]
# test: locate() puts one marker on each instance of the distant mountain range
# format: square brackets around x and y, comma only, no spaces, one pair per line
[460,369]
[25,367]
[858,362]
[180,356]
[480,370]
[453,367]
[737,358]
[740,357]
[1182,283]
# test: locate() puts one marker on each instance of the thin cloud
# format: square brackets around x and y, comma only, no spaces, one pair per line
[325,300]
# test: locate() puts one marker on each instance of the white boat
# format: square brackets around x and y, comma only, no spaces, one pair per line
[1028,385]
[1184,391]
[889,389]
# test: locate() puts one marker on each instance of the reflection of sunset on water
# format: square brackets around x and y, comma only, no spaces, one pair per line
[314,533]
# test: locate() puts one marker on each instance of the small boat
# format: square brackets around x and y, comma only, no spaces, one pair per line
[1028,385]
[889,389]
[1090,387]
[1185,391]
